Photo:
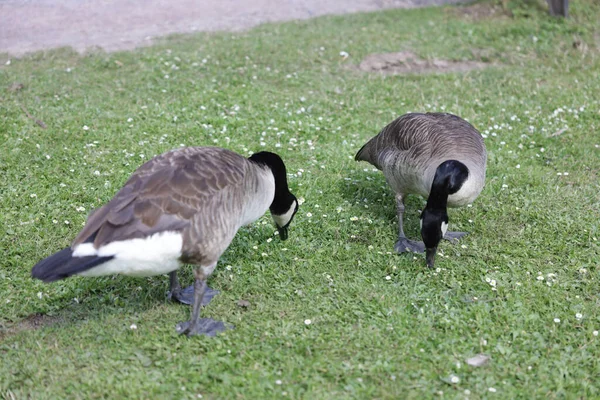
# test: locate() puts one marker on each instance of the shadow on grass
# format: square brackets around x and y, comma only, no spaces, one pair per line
[82,299]
[381,202]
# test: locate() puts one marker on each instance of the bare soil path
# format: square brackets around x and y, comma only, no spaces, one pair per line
[31,25]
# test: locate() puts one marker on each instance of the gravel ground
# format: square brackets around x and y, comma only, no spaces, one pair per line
[31,25]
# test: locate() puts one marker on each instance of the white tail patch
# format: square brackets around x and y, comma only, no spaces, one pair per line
[154,255]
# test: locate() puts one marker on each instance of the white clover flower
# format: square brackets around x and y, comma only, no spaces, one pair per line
[307,322]
[454,379]
[578,315]
[133,327]
[557,320]
[493,390]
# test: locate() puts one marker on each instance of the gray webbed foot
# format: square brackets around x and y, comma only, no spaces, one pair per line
[203,326]
[404,245]
[186,296]
[454,236]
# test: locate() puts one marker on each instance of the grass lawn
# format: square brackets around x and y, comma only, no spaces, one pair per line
[523,287]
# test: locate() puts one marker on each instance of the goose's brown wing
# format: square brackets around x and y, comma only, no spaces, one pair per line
[399,135]
[420,136]
[164,194]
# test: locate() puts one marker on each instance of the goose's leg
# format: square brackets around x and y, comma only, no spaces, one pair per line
[186,296]
[403,244]
[454,236]
[197,325]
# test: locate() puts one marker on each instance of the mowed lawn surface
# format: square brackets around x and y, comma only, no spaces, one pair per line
[333,312]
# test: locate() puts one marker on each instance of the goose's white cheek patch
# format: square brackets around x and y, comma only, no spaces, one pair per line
[444,228]
[283,219]
[154,255]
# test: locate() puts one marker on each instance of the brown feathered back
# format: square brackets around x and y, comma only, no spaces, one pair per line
[423,137]
[165,194]
[410,149]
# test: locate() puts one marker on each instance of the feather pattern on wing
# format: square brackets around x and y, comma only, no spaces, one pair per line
[193,190]
[409,150]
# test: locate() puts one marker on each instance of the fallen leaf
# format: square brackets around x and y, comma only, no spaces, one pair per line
[243,303]
[479,360]
[559,132]
[15,87]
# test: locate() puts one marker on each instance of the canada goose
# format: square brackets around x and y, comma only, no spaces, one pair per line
[439,156]
[182,207]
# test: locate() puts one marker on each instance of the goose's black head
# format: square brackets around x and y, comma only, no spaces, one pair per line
[284,205]
[449,178]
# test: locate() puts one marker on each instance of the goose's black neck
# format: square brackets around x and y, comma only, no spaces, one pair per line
[283,198]
[449,178]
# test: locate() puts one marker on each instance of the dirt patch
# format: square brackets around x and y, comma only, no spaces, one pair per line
[32,322]
[479,11]
[406,62]
[125,24]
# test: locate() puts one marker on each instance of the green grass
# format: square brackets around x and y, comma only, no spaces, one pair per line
[534,233]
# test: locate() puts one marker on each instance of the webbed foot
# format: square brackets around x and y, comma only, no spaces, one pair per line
[203,326]
[186,296]
[404,245]
[454,236]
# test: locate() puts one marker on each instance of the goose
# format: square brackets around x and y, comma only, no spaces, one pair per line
[439,156]
[181,207]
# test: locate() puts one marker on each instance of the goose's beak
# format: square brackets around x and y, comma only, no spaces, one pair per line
[430,256]
[283,232]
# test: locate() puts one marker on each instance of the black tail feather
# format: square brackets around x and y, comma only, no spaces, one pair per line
[62,265]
